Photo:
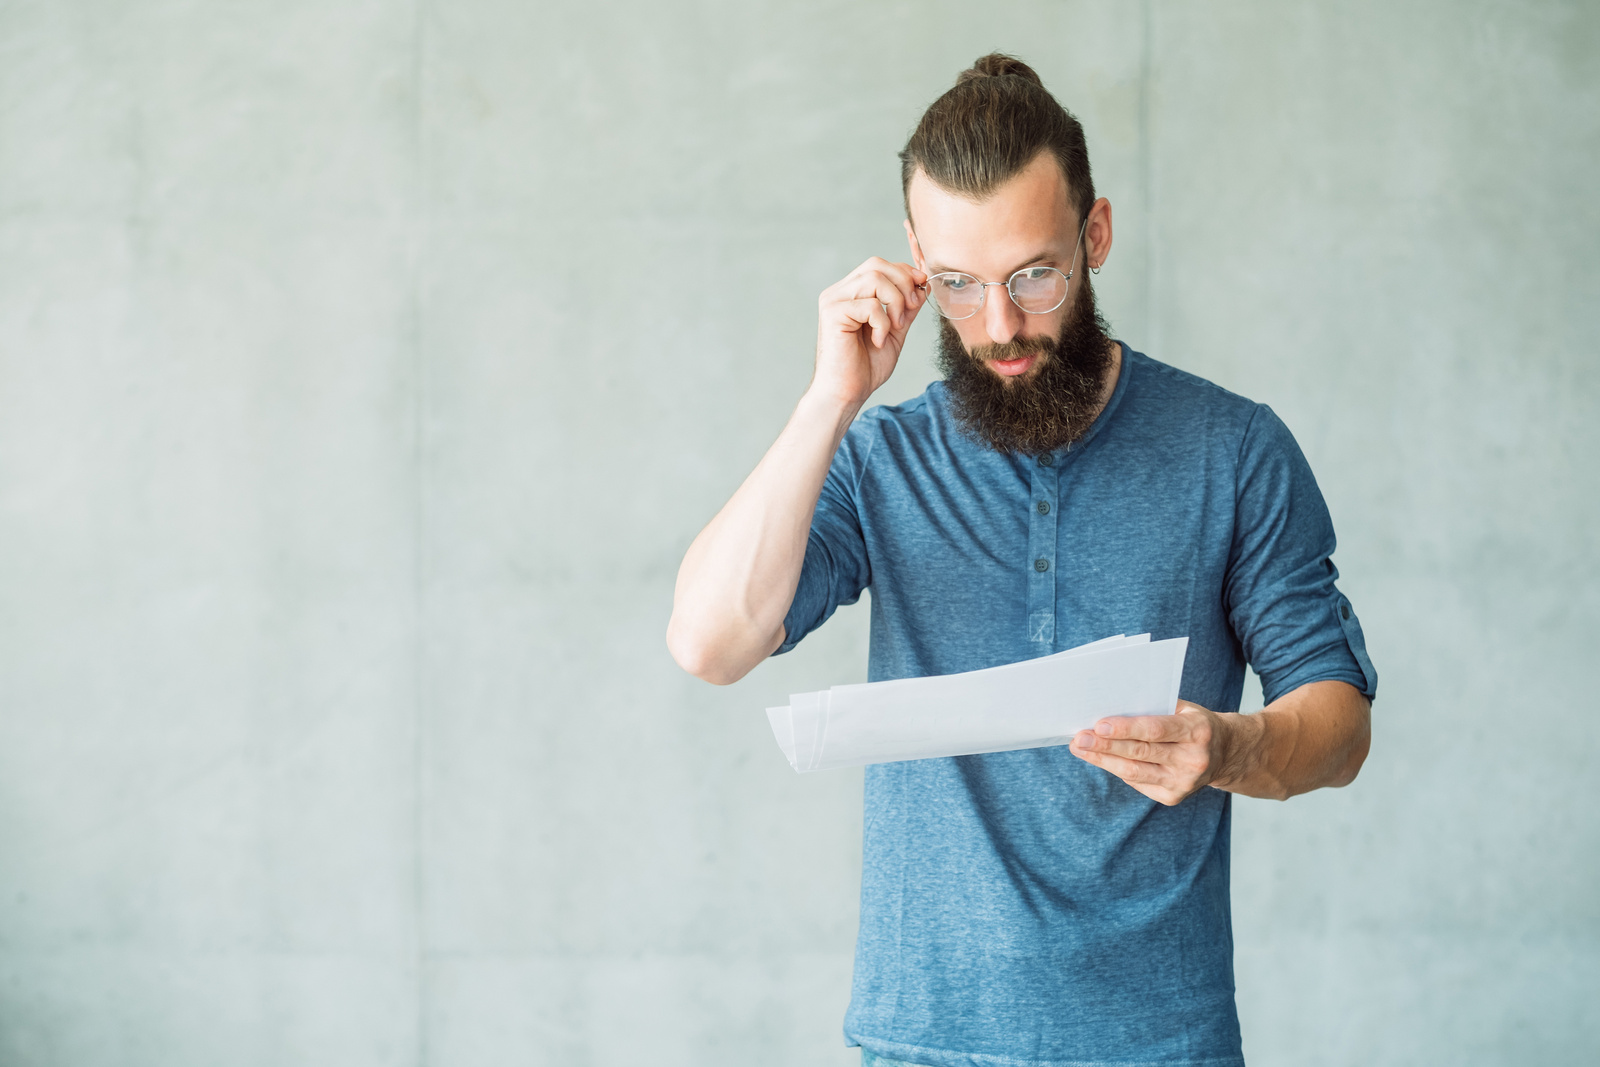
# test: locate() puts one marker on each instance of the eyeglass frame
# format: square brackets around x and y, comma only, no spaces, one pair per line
[984,296]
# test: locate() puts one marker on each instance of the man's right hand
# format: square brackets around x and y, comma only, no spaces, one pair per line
[861,325]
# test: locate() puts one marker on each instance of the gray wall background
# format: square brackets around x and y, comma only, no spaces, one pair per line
[366,367]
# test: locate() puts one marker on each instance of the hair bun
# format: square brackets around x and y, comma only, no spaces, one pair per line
[997,65]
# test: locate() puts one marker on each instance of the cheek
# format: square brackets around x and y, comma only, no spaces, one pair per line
[1044,325]
[971,332]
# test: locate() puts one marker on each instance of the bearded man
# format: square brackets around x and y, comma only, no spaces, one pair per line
[1061,905]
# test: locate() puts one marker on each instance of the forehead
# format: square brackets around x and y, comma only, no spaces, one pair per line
[1024,218]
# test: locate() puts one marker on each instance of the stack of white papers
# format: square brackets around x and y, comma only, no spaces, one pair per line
[1031,704]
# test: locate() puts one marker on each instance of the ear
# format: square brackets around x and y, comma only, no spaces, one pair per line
[1097,236]
[916,249]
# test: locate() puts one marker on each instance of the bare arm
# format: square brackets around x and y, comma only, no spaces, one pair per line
[1315,736]
[739,576]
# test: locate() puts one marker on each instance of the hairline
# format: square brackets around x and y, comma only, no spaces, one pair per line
[984,195]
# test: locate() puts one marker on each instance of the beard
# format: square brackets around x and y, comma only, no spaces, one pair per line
[1051,405]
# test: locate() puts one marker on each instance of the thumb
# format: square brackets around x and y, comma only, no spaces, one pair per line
[897,334]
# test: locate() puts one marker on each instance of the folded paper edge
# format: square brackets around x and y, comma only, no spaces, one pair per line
[782,720]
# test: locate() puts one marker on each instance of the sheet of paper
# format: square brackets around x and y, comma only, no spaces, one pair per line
[1030,704]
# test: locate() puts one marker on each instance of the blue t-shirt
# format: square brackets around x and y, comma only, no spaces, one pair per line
[1027,908]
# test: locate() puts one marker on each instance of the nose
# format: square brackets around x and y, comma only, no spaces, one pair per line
[1002,319]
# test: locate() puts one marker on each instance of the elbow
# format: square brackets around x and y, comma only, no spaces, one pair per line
[701,656]
[1356,757]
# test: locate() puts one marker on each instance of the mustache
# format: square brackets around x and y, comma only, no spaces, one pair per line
[1015,348]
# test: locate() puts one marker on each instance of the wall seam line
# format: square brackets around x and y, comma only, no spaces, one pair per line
[418,226]
[1146,173]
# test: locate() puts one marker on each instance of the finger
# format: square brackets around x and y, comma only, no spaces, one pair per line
[917,292]
[876,275]
[904,274]
[888,291]
[863,311]
[1144,777]
[1143,727]
[1145,751]
[868,314]
[907,317]
[913,281]
[872,286]
[1134,772]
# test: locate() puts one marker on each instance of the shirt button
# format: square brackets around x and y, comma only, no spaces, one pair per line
[1047,460]
[1044,507]
[1344,611]
[1041,564]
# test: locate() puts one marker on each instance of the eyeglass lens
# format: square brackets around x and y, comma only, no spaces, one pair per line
[1036,290]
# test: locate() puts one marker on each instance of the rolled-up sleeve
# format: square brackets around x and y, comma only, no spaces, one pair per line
[1293,623]
[836,568]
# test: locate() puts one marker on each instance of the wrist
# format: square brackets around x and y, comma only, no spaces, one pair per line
[1239,748]
[822,404]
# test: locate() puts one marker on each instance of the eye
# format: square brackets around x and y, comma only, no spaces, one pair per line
[957,284]
[1037,272]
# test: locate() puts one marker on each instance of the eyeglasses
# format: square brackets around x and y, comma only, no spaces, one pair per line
[1036,290]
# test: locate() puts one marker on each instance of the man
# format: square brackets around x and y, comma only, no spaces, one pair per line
[1057,905]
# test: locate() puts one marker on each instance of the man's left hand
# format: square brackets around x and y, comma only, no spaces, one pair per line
[1165,757]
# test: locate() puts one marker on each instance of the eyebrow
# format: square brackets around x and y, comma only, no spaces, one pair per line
[939,268]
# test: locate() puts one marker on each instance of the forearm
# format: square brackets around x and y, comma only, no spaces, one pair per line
[739,576]
[1316,736]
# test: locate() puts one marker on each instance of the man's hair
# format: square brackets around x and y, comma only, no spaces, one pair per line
[991,125]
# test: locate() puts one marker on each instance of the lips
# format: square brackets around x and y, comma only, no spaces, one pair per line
[1010,368]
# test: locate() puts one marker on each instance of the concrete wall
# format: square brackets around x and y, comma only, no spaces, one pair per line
[342,489]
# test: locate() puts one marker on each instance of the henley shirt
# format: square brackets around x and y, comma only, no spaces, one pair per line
[1027,909]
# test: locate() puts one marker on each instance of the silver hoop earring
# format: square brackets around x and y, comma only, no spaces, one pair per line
[1094,270]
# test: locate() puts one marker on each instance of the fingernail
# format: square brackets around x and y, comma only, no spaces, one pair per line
[1103,729]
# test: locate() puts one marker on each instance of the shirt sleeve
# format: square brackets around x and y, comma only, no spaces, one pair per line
[836,568]
[1292,621]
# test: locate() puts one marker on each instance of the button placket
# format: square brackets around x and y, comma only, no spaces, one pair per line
[1040,564]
